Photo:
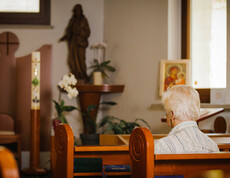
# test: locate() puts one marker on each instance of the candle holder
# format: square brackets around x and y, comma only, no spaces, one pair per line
[34,168]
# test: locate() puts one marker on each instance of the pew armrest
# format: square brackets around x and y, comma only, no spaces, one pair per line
[62,153]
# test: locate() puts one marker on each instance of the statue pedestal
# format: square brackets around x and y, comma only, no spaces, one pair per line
[91,95]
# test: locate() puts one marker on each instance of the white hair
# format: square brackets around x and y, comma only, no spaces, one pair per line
[183,101]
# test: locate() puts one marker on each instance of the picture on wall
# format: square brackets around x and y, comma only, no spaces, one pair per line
[173,72]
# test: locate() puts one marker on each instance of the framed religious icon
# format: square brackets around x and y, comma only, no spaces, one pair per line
[173,72]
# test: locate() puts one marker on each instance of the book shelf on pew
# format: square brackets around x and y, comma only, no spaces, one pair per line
[109,155]
[95,167]
[100,174]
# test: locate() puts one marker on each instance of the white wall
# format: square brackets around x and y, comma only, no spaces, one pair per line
[137,36]
[174,29]
[32,38]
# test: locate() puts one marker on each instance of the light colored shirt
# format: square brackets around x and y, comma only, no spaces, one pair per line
[185,137]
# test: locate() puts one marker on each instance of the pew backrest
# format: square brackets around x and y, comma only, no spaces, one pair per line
[146,164]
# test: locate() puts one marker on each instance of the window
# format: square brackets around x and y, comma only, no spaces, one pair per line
[25,12]
[208,43]
[20,6]
[213,9]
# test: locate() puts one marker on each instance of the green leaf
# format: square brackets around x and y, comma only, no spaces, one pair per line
[105,63]
[106,120]
[146,123]
[102,67]
[69,108]
[108,103]
[117,129]
[119,126]
[90,108]
[94,66]
[57,107]
[62,103]
[63,119]
[110,68]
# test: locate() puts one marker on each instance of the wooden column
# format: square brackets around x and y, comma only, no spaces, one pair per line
[35,139]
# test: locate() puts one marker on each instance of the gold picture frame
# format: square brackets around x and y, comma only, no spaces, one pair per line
[173,72]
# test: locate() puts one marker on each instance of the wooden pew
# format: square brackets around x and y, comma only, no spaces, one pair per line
[146,164]
[63,153]
[8,164]
[119,139]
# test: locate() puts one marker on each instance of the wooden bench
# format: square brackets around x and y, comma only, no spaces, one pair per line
[63,153]
[146,164]
[123,139]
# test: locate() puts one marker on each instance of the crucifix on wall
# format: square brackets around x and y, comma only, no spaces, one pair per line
[8,39]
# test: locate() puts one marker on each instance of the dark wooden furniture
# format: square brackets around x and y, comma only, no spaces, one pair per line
[220,125]
[8,164]
[91,95]
[8,138]
[209,112]
[23,18]
[63,153]
[146,164]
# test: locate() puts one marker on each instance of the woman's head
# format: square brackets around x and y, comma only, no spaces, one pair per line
[183,101]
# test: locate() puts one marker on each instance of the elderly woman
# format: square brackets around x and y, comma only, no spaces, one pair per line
[182,106]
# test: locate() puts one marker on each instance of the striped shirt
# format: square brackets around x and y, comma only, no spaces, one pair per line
[185,138]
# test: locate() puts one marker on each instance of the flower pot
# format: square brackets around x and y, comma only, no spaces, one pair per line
[89,139]
[55,123]
[97,78]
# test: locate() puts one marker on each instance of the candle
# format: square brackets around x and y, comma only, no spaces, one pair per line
[35,81]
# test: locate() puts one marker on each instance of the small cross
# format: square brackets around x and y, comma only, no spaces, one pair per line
[7,43]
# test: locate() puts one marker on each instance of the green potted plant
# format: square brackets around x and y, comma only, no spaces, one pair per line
[100,66]
[120,126]
[91,137]
[99,71]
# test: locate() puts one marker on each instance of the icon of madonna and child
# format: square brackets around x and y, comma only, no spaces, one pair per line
[175,74]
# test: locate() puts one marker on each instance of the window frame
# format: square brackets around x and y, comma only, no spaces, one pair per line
[41,18]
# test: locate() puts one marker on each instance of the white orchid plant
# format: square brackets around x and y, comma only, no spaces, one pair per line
[99,62]
[68,85]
